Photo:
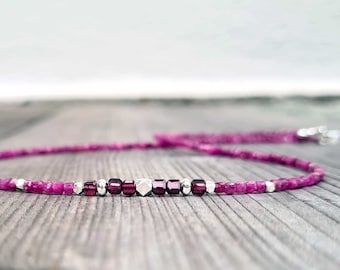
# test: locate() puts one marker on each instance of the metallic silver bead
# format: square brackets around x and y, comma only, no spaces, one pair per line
[19,183]
[143,186]
[101,187]
[270,186]
[185,186]
[78,188]
[210,185]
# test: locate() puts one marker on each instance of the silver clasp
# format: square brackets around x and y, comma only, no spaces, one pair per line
[321,133]
[330,137]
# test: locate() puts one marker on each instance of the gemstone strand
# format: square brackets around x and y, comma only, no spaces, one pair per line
[201,143]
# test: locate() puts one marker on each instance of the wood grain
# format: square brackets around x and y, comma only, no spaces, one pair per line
[288,230]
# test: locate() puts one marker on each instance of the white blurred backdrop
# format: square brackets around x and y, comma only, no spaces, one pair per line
[178,48]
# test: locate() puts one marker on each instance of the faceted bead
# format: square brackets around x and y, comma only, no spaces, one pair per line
[7,184]
[261,186]
[20,183]
[320,171]
[284,184]
[186,186]
[143,187]
[114,186]
[310,180]
[173,186]
[58,188]
[303,181]
[68,188]
[48,187]
[101,187]
[158,187]
[270,186]
[33,186]
[240,187]
[129,187]
[210,185]
[251,187]
[220,187]
[198,187]
[293,183]
[229,188]
[90,188]
[78,188]
[317,177]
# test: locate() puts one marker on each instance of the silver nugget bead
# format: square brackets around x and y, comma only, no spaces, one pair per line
[101,187]
[210,186]
[78,188]
[19,183]
[270,186]
[143,186]
[185,186]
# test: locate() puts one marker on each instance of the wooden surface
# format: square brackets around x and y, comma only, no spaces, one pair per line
[287,230]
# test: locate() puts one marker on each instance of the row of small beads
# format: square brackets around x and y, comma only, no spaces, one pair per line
[144,187]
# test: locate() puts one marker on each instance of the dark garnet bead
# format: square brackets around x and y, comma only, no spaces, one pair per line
[129,187]
[114,186]
[198,187]
[90,188]
[173,186]
[158,186]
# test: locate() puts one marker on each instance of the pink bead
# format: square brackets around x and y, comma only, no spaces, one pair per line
[284,183]
[7,184]
[58,188]
[229,188]
[48,187]
[302,164]
[251,187]
[293,183]
[240,187]
[261,186]
[302,181]
[33,186]
[320,171]
[68,188]
[220,187]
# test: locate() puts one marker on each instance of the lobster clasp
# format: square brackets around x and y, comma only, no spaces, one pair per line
[330,137]
[323,135]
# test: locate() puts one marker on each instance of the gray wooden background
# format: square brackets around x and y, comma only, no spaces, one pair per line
[289,230]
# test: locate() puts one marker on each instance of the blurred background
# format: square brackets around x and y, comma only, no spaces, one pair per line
[135,49]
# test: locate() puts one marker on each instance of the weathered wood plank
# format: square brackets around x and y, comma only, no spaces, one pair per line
[288,230]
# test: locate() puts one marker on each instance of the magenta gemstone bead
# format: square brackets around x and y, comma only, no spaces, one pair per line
[302,164]
[261,186]
[251,187]
[48,188]
[198,187]
[7,184]
[129,187]
[58,188]
[173,186]
[34,186]
[220,187]
[230,188]
[158,187]
[240,187]
[320,171]
[68,188]
[90,188]
[284,184]
[317,177]
[114,186]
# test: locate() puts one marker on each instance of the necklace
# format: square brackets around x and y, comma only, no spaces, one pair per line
[205,143]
